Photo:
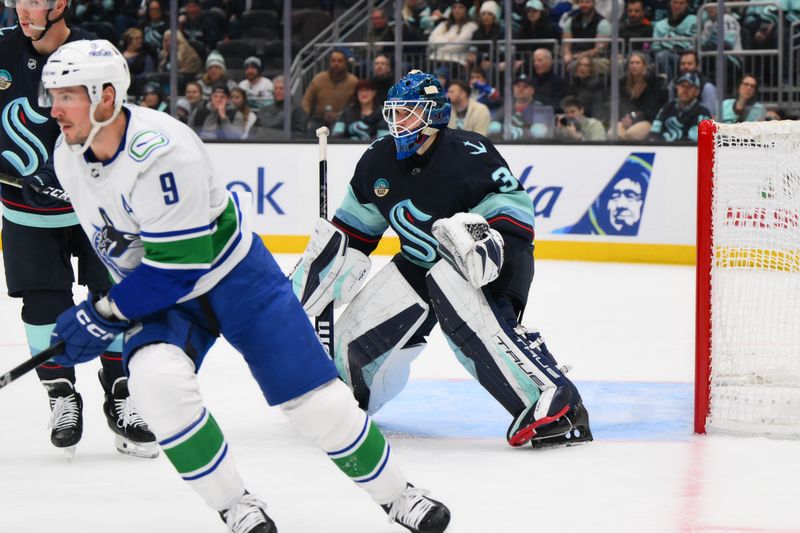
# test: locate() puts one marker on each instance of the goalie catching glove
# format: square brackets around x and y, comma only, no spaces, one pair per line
[473,248]
[329,270]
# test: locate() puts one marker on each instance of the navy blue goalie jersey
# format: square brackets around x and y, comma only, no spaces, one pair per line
[28,132]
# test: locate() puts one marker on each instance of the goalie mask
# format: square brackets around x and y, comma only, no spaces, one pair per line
[89,64]
[416,107]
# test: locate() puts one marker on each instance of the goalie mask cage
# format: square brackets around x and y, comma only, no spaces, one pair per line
[747,377]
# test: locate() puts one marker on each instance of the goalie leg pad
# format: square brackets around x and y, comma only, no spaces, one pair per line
[487,343]
[370,349]
[164,387]
[329,270]
[330,416]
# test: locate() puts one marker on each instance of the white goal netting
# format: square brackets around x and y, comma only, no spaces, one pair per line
[755,280]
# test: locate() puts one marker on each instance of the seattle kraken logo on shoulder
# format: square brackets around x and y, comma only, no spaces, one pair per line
[15,117]
[402,217]
[110,243]
[381,187]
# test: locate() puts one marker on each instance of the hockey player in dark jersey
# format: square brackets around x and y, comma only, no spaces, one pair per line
[40,235]
[466,236]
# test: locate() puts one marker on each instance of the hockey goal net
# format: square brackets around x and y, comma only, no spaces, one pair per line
[748,279]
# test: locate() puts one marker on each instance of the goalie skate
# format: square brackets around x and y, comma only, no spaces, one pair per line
[132,436]
[572,428]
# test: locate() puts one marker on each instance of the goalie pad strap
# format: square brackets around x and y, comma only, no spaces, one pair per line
[498,357]
[371,336]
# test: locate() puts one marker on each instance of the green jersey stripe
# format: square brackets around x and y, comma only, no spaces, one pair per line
[197,450]
[365,458]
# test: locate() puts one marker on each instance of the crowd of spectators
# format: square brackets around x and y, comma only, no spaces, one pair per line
[560,67]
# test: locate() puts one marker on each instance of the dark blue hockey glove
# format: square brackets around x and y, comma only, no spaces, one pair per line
[85,333]
[35,185]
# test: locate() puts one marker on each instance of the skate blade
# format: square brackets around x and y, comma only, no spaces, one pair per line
[69,452]
[145,450]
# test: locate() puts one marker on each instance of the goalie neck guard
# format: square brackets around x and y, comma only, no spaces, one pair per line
[416,107]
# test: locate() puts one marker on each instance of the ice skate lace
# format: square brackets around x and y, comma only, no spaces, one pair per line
[245,514]
[65,412]
[411,507]
[126,414]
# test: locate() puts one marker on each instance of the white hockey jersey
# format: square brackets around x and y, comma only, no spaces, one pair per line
[156,213]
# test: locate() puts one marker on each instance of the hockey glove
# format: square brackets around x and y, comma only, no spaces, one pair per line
[473,249]
[36,186]
[86,334]
[329,270]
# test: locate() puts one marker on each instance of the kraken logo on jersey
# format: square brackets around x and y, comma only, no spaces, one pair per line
[15,115]
[111,243]
[402,217]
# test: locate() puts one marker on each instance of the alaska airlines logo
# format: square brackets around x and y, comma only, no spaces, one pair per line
[110,243]
[15,116]
[415,242]
[618,209]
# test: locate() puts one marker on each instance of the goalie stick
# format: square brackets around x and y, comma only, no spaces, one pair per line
[52,192]
[323,323]
[30,364]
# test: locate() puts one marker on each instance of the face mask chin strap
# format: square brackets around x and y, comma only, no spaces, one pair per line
[80,149]
[48,24]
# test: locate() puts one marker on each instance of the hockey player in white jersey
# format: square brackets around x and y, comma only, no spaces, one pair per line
[188,269]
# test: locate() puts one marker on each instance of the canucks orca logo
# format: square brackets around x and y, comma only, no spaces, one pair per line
[111,243]
[15,116]
[619,207]
[381,187]
[416,243]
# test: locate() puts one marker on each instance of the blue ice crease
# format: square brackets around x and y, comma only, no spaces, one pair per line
[618,410]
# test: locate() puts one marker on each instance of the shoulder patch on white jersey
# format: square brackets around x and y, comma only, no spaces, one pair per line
[144,143]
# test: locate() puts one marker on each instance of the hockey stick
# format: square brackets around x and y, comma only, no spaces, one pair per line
[52,192]
[323,323]
[30,364]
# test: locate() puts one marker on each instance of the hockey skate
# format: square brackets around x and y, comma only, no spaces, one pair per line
[66,419]
[248,516]
[418,513]
[132,437]
[555,419]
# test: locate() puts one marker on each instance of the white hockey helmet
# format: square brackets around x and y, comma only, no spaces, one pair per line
[90,64]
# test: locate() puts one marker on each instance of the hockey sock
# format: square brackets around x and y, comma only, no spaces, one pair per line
[164,387]
[112,367]
[38,340]
[39,312]
[330,415]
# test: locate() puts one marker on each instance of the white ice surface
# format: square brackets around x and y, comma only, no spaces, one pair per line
[613,323]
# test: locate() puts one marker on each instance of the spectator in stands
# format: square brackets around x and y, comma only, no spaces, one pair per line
[269,126]
[587,87]
[656,10]
[215,120]
[761,24]
[529,119]
[188,60]
[84,11]
[238,102]
[585,23]
[419,15]
[128,15]
[257,88]
[733,41]
[155,24]
[140,63]
[550,87]
[679,118]
[574,125]
[450,39]
[676,34]
[362,119]
[382,77]
[641,95]
[467,114]
[329,92]
[481,90]
[688,64]
[381,31]
[183,110]
[215,74]
[536,25]
[199,26]
[745,107]
[779,113]
[635,25]
[488,26]
[193,94]
[153,97]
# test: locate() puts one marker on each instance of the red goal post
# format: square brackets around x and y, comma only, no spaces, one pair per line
[747,372]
